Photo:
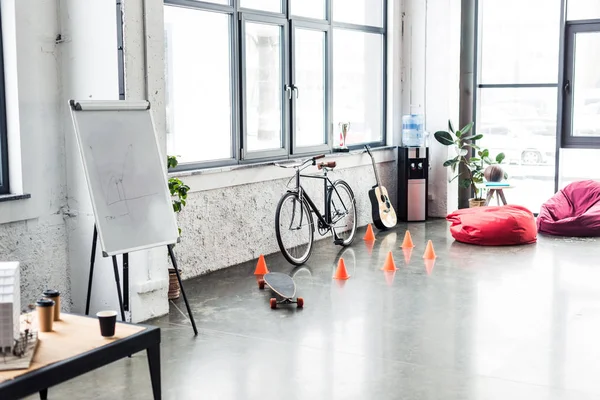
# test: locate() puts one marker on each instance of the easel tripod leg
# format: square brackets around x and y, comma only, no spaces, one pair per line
[117,280]
[187,305]
[92,259]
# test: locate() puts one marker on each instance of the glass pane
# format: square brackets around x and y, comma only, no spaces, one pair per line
[198,88]
[263,5]
[361,12]
[583,9]
[308,8]
[586,85]
[309,53]
[264,89]
[521,123]
[519,41]
[358,85]
[225,2]
[578,165]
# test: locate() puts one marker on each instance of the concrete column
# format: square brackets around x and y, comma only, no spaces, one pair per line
[90,71]
[467,65]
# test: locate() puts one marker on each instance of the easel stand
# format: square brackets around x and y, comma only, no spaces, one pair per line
[124,300]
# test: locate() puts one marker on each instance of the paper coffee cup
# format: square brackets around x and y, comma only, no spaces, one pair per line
[54,295]
[108,320]
[45,310]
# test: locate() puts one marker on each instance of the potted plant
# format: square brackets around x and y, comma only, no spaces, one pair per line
[476,164]
[179,192]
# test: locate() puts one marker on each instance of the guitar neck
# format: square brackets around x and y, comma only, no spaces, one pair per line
[375,169]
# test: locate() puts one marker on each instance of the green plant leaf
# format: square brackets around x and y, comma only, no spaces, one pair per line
[450,126]
[448,163]
[461,152]
[473,137]
[464,183]
[488,160]
[475,159]
[505,175]
[500,157]
[466,128]
[444,138]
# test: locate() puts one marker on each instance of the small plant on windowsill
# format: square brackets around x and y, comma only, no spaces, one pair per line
[179,191]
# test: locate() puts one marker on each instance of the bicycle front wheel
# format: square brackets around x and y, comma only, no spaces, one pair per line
[342,208]
[294,228]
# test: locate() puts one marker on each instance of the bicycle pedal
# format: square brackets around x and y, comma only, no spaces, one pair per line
[338,241]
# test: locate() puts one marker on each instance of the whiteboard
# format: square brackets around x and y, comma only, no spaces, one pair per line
[126,175]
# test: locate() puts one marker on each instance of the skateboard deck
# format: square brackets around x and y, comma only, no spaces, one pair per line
[282,285]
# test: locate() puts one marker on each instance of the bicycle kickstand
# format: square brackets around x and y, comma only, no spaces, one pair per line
[336,239]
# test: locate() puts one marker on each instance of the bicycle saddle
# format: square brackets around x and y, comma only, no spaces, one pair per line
[329,164]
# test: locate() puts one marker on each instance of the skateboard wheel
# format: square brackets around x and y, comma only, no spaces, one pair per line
[261,283]
[300,302]
[273,303]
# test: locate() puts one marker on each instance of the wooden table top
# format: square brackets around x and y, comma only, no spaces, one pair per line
[71,336]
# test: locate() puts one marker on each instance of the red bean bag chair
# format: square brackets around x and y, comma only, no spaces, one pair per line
[573,211]
[493,226]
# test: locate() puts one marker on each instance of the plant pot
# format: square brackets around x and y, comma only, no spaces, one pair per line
[476,203]
[174,288]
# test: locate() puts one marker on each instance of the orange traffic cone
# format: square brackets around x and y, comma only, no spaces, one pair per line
[389,264]
[261,266]
[429,252]
[341,272]
[407,243]
[369,235]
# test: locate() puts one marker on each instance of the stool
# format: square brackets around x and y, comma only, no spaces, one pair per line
[498,191]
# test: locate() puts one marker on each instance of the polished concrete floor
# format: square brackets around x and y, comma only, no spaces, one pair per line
[481,323]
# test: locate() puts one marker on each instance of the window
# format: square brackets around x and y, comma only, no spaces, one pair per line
[581,90]
[259,80]
[516,100]
[199,101]
[4,184]
[358,84]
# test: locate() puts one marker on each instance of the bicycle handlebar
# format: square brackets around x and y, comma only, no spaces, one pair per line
[319,156]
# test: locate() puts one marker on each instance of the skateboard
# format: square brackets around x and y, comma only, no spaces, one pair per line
[284,286]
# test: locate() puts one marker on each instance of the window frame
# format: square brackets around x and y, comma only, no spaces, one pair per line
[326,30]
[5,184]
[568,140]
[238,132]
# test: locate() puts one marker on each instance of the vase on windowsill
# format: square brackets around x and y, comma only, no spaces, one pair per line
[344,128]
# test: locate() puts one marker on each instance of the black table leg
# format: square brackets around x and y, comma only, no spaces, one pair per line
[44,394]
[154,364]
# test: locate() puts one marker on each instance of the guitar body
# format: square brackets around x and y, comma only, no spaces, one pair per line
[382,212]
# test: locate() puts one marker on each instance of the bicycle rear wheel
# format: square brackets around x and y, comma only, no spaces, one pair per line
[294,228]
[342,207]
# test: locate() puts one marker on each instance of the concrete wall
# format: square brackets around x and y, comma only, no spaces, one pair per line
[225,226]
[431,60]
[33,230]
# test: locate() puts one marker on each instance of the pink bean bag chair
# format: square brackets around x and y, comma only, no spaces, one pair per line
[573,211]
[493,226]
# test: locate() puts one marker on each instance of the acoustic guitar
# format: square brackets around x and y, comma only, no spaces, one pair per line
[384,216]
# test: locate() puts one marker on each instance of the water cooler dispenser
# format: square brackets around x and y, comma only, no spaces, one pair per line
[413,177]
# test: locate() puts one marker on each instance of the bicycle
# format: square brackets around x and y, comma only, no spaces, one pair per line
[295,209]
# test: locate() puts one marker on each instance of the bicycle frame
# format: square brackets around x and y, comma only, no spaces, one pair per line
[325,221]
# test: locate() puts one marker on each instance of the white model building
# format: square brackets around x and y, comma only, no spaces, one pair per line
[10,305]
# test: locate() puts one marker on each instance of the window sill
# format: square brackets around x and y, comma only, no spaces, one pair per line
[13,197]
[233,175]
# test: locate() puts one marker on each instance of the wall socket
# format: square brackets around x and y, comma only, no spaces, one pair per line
[430,197]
